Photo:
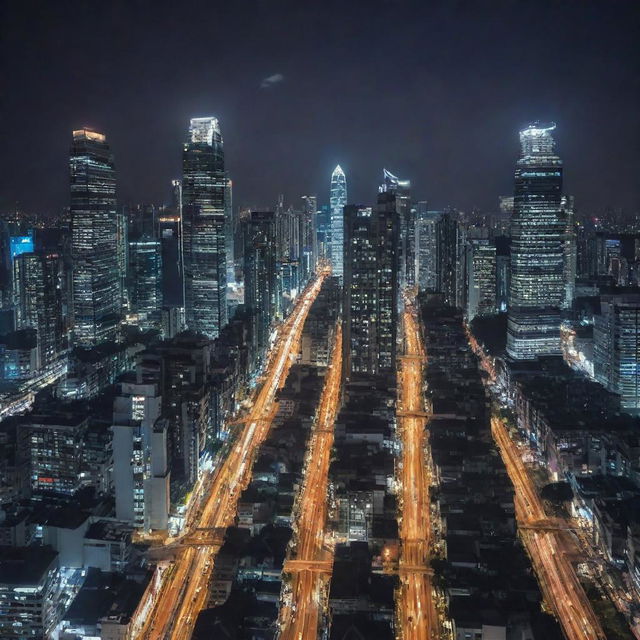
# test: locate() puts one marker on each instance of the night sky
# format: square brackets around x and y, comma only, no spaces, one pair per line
[434,91]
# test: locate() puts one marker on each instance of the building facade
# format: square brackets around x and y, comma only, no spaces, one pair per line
[407,223]
[204,190]
[450,258]
[616,334]
[260,278]
[371,280]
[96,280]
[38,301]
[144,281]
[481,278]
[538,229]
[426,247]
[337,202]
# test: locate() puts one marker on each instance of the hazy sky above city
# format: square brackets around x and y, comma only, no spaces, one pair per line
[434,91]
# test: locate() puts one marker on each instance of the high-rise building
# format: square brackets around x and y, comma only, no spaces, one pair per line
[616,335]
[54,445]
[370,286]
[29,592]
[426,247]
[181,367]
[260,278]
[171,238]
[230,230]
[450,258]
[337,202]
[204,190]
[570,251]
[323,231]
[38,301]
[407,222]
[481,278]
[538,230]
[309,234]
[360,289]
[387,211]
[140,463]
[96,278]
[503,271]
[145,280]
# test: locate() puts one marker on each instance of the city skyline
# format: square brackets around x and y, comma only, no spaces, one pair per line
[462,94]
[355,365]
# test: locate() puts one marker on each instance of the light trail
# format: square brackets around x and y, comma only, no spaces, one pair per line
[311,564]
[558,580]
[184,593]
[415,608]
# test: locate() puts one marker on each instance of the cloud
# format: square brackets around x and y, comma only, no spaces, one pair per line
[272,80]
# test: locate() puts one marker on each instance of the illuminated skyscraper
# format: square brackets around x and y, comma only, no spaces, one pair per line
[309,234]
[426,247]
[96,293]
[145,279]
[38,301]
[570,251]
[407,222]
[537,289]
[481,278]
[616,334]
[337,202]
[204,191]
[450,258]
[260,277]
[371,286]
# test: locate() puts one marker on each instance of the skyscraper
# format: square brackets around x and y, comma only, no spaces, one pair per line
[407,222]
[450,258]
[38,301]
[309,234]
[616,334]
[96,270]
[426,248]
[260,277]
[538,228]
[570,251]
[370,286]
[145,280]
[481,277]
[337,202]
[204,190]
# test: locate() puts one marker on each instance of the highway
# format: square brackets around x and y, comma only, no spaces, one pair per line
[184,593]
[311,560]
[416,609]
[548,551]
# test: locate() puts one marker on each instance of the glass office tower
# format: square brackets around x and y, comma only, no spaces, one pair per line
[337,202]
[96,275]
[616,334]
[145,280]
[204,191]
[260,278]
[371,264]
[407,222]
[537,288]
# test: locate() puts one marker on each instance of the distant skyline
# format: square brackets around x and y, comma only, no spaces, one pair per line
[435,92]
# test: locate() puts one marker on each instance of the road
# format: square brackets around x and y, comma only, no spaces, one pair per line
[547,548]
[416,609]
[311,562]
[185,592]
